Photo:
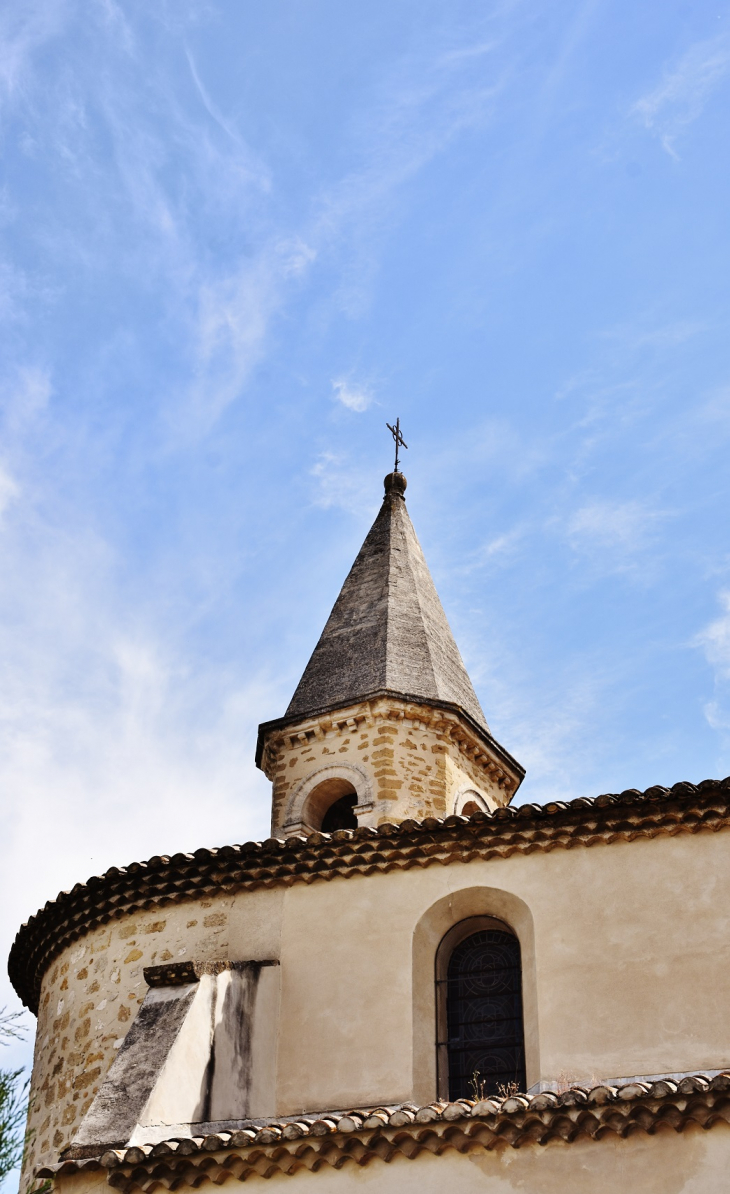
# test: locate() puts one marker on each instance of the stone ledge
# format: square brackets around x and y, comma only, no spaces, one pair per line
[180,974]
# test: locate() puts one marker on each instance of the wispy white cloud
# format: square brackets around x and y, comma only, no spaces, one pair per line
[24,29]
[501,545]
[235,315]
[621,528]
[230,308]
[212,108]
[354,397]
[714,640]
[464,53]
[24,396]
[226,303]
[424,103]
[497,444]
[113,744]
[14,290]
[8,490]
[423,106]
[549,730]
[546,718]
[574,36]
[648,332]
[675,103]
[340,484]
[497,552]
[618,389]
[709,420]
[114,18]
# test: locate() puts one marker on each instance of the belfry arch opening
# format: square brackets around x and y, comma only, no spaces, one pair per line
[480,1028]
[330,806]
[470,802]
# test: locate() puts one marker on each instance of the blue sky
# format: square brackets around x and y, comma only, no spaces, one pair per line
[235,238]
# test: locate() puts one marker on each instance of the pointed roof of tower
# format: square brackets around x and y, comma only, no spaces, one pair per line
[387,631]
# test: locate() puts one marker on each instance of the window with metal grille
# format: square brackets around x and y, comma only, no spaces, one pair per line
[481,1039]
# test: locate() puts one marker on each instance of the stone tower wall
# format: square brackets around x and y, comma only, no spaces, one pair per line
[405,760]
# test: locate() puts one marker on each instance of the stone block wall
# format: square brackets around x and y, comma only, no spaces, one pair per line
[90,996]
[404,760]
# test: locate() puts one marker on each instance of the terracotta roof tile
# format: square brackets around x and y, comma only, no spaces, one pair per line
[284,1146]
[321,857]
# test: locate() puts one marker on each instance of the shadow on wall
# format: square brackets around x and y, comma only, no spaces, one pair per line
[201,1049]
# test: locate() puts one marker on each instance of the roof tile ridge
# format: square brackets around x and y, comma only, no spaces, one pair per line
[388,499]
[629,796]
[353,849]
[392,499]
[494,1109]
[435,671]
[417,591]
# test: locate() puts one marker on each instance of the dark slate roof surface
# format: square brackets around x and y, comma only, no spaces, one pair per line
[387,630]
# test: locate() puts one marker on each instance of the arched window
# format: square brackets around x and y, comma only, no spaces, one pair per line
[469,802]
[481,1048]
[330,806]
[344,785]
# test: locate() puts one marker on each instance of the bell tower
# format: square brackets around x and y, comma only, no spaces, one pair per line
[384,724]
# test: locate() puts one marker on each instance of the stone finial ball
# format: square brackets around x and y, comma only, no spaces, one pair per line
[395,483]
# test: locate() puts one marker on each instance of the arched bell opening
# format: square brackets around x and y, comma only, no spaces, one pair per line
[330,806]
[341,815]
[469,802]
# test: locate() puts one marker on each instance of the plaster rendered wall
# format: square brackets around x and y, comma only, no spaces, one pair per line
[413,762]
[626,948]
[631,965]
[693,1162]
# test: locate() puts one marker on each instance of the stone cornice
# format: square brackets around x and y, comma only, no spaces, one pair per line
[334,1138]
[472,739]
[632,815]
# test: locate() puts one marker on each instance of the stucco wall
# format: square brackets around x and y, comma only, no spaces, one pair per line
[626,947]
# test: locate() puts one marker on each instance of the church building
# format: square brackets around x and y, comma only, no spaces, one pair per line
[414,984]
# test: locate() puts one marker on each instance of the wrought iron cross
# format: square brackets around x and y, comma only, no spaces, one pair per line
[399,441]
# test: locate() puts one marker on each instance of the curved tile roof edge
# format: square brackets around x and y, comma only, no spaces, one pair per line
[684,808]
[285,1145]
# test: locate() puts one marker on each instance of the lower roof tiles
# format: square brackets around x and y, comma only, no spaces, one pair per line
[287,1145]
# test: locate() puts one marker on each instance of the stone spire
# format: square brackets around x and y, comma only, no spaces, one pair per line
[388,632]
[384,725]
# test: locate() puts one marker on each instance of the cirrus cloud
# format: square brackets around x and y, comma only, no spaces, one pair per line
[354,397]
